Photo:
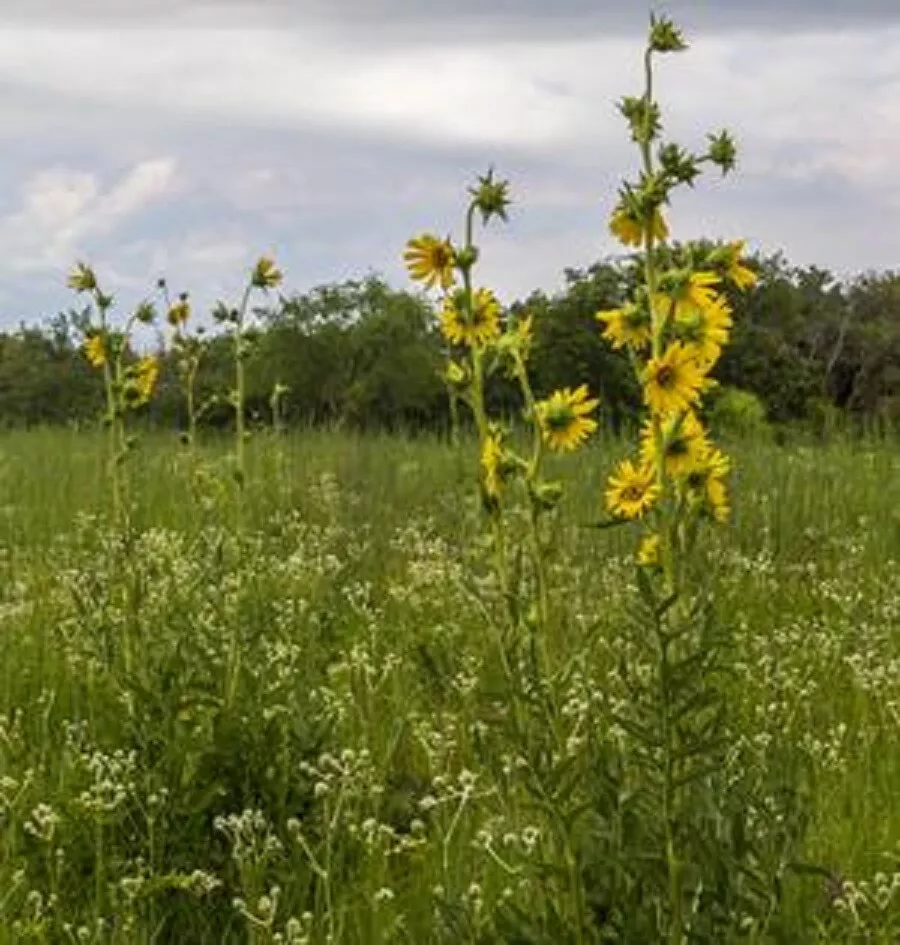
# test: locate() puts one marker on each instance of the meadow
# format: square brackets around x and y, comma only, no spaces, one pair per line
[284,719]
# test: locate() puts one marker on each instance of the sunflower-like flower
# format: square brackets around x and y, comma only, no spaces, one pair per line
[706,330]
[266,275]
[476,328]
[564,420]
[493,473]
[431,261]
[626,326]
[683,294]
[682,442]
[632,490]
[673,381]
[629,229]
[649,551]
[179,313]
[82,278]
[706,485]
[95,351]
[143,379]
[740,275]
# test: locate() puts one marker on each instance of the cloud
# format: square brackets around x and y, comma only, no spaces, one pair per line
[62,210]
[331,131]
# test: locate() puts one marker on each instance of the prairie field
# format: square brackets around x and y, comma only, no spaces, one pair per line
[285,715]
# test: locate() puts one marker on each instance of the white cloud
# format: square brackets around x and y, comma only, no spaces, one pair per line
[62,211]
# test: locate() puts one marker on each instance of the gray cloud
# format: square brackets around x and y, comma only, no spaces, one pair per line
[383,19]
[330,142]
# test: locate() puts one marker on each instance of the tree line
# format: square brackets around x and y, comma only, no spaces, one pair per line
[806,348]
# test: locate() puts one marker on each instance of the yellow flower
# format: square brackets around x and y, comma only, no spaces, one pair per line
[95,351]
[266,275]
[706,485]
[564,420]
[683,444]
[81,278]
[145,374]
[630,230]
[706,331]
[632,490]
[672,382]
[648,553]
[629,325]
[481,328]
[689,295]
[736,272]
[522,336]
[179,313]
[491,465]
[430,260]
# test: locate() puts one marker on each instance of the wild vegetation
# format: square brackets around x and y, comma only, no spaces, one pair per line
[596,657]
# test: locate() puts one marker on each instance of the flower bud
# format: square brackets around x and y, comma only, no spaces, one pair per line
[491,197]
[723,151]
[665,36]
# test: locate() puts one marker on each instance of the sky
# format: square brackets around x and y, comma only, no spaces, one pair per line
[184,138]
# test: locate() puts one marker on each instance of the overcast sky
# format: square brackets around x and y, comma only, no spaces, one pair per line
[184,138]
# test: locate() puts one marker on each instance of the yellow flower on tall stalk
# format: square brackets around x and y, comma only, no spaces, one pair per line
[693,293]
[266,275]
[649,551]
[628,326]
[629,229]
[144,377]
[492,465]
[740,275]
[632,490]
[706,330]
[431,261]
[673,381]
[95,351]
[476,328]
[564,419]
[706,485]
[682,442]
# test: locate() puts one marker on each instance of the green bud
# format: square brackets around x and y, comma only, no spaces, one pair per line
[145,313]
[722,151]
[467,257]
[643,117]
[491,197]
[665,36]
[547,494]
[679,164]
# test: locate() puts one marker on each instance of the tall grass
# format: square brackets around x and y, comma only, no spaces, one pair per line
[296,731]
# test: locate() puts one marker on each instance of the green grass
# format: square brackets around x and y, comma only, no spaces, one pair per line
[303,692]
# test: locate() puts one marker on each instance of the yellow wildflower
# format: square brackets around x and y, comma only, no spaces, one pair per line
[706,485]
[564,420]
[682,441]
[630,230]
[632,490]
[430,261]
[146,372]
[95,351]
[266,275]
[81,278]
[474,329]
[629,325]
[736,272]
[706,331]
[672,381]
[491,465]
[649,551]
[179,313]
